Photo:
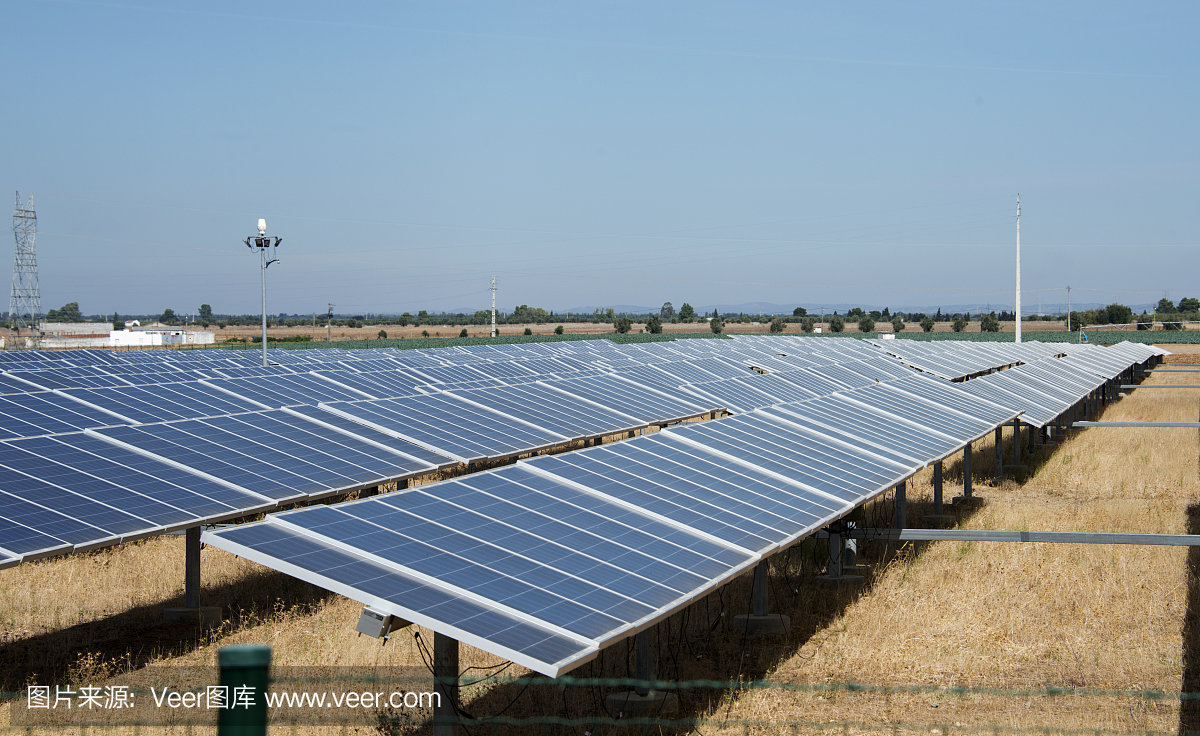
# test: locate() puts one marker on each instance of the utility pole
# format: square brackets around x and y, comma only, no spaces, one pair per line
[1068,309]
[26,294]
[329,324]
[493,306]
[266,250]
[1018,267]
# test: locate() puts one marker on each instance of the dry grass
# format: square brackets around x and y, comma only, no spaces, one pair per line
[1003,616]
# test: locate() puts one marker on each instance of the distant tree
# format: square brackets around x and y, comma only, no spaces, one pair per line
[117,322]
[686,313]
[959,324]
[667,311]
[168,317]
[927,323]
[383,334]
[807,324]
[558,330]
[1119,314]
[205,313]
[404,320]
[422,313]
[876,314]
[1165,306]
[1188,304]
[854,313]
[69,313]
[866,323]
[989,323]
[622,325]
[462,333]
[654,325]
[777,325]
[1146,322]
[836,324]
[424,333]
[897,324]
[353,324]
[528,331]
[799,312]
[886,314]
[716,325]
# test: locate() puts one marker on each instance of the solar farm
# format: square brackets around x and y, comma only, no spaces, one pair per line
[540,503]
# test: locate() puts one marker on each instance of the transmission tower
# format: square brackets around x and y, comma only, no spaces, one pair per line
[26,302]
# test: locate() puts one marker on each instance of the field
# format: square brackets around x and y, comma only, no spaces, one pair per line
[1003,622]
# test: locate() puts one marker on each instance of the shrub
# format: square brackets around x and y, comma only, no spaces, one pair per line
[527,331]
[424,333]
[959,324]
[807,324]
[558,330]
[622,325]
[716,325]
[836,324]
[777,325]
[463,333]
[654,326]
[989,323]
[866,324]
[897,325]
[382,334]
[927,324]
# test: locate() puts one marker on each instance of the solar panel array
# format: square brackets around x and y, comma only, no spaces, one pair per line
[139,443]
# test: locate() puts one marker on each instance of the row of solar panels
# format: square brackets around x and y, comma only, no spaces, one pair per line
[548,561]
[1046,389]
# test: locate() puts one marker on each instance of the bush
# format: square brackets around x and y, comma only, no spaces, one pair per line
[989,323]
[424,333]
[463,333]
[1119,314]
[716,325]
[836,324]
[622,325]
[527,331]
[558,330]
[927,324]
[959,324]
[897,325]
[866,324]
[777,325]
[654,325]
[807,324]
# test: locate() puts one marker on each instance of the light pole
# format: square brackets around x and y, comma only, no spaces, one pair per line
[266,250]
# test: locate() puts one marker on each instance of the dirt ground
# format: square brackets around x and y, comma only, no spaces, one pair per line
[1002,622]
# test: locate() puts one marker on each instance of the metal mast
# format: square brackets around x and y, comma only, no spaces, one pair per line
[266,251]
[1018,267]
[26,296]
[493,306]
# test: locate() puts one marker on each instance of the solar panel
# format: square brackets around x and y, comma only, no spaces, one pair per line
[31,415]
[920,411]
[645,404]
[160,403]
[443,424]
[732,393]
[551,410]
[377,384]
[884,434]
[344,425]
[280,391]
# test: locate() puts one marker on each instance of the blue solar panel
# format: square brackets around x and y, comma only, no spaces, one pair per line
[551,410]
[349,426]
[31,415]
[643,403]
[159,403]
[449,426]
[280,391]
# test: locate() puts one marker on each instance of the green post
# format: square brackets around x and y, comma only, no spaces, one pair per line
[245,673]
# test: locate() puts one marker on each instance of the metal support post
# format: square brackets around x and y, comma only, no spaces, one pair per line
[368,492]
[192,612]
[1032,441]
[968,498]
[643,700]
[1016,442]
[999,454]
[191,565]
[939,515]
[759,602]
[445,673]
[835,568]
[901,506]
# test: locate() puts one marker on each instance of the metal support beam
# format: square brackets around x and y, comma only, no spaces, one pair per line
[445,673]
[1160,385]
[992,535]
[1138,424]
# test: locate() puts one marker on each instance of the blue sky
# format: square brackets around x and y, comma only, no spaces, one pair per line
[604,153]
